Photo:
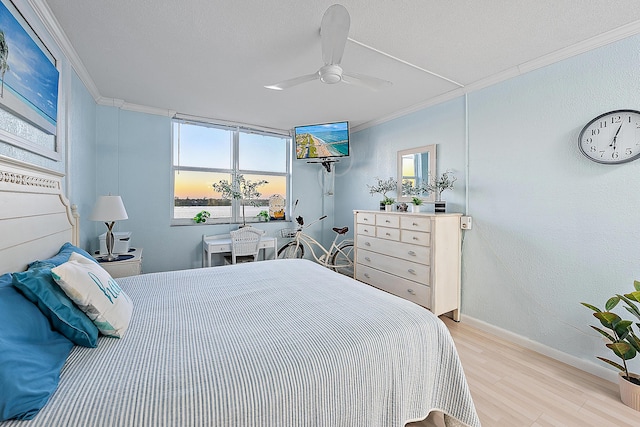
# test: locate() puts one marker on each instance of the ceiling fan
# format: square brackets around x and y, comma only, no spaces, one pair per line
[334,30]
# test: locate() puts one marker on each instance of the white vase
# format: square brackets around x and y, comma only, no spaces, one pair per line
[629,392]
[388,208]
[416,208]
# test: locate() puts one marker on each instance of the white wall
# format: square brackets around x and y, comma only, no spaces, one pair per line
[551,228]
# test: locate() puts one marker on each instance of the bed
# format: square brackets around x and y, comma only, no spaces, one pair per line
[273,343]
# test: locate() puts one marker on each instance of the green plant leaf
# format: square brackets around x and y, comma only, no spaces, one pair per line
[611,303]
[623,350]
[636,285]
[604,333]
[607,319]
[634,341]
[622,328]
[612,363]
[635,296]
[592,307]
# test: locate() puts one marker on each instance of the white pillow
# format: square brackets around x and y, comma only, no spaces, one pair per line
[96,293]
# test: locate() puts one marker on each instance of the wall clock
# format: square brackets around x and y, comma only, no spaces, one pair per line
[612,137]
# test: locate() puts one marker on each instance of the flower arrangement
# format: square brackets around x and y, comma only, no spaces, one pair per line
[438,185]
[240,188]
[383,187]
[410,190]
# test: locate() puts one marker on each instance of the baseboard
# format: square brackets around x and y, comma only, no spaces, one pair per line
[551,352]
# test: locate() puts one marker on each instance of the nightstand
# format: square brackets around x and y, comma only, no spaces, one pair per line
[126,265]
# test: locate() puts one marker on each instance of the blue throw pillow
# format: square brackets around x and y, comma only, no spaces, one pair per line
[62,256]
[38,286]
[31,358]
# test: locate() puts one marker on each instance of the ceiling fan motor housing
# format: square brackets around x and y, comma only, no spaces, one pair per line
[331,74]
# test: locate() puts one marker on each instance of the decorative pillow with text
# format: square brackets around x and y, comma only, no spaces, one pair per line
[95,292]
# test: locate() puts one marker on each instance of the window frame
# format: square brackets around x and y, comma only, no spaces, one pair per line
[236,207]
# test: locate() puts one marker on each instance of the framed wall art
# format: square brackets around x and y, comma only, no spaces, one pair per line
[29,83]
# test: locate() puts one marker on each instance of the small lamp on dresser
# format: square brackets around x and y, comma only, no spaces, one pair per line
[109,209]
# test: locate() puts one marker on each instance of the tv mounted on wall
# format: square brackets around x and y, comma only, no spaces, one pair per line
[322,141]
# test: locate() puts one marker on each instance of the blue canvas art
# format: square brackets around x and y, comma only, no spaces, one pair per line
[28,73]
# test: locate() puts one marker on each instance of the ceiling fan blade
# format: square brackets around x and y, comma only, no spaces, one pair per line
[293,82]
[373,83]
[334,30]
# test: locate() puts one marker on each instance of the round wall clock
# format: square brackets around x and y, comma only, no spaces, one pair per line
[612,137]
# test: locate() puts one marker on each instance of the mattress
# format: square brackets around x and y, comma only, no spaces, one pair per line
[273,343]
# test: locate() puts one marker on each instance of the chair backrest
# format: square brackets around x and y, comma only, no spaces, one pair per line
[245,241]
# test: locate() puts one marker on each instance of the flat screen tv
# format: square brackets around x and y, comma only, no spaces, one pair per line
[322,141]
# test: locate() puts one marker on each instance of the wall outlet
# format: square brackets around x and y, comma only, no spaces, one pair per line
[466,222]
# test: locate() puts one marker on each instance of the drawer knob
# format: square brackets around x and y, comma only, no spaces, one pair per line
[411,291]
[412,253]
[367,258]
[366,275]
[387,221]
[415,238]
[415,224]
[388,234]
[367,243]
[366,219]
[411,271]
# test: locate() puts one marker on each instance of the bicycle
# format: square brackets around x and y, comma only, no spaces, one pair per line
[339,257]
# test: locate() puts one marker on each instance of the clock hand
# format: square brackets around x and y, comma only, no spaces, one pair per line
[615,137]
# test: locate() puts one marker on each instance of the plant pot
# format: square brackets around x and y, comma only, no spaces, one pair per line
[629,392]
[416,208]
[388,208]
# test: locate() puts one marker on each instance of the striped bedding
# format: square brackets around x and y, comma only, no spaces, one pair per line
[275,343]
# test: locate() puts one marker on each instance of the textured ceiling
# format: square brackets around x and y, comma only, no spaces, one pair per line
[213,58]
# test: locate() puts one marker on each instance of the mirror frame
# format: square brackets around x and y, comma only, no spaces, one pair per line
[431,149]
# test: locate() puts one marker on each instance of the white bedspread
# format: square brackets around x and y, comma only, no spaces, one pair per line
[274,343]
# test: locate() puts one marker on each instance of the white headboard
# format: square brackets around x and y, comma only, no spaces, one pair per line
[35,217]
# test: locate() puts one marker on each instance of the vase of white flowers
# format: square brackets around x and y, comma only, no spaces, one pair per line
[383,187]
[438,185]
[241,189]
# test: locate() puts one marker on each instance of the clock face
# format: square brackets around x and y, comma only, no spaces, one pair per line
[612,138]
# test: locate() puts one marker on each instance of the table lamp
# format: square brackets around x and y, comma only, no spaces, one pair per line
[109,209]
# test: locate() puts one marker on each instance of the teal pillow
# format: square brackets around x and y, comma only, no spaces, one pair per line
[62,256]
[38,286]
[31,356]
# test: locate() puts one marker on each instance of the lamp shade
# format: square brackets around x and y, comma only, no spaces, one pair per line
[109,208]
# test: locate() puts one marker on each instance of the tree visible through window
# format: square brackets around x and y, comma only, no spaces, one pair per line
[205,154]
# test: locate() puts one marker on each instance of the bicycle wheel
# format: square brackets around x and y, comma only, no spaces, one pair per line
[342,259]
[291,251]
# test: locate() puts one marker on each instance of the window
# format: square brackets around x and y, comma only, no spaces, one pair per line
[206,154]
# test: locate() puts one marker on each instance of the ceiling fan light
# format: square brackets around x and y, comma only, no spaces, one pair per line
[331,74]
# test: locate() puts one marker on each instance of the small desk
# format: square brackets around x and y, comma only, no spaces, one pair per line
[222,244]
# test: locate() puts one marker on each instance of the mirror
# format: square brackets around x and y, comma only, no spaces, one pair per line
[415,165]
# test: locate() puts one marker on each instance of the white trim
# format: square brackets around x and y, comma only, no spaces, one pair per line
[551,352]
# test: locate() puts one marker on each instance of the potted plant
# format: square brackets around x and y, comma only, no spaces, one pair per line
[263,216]
[417,203]
[622,341]
[241,189]
[201,217]
[382,187]
[438,185]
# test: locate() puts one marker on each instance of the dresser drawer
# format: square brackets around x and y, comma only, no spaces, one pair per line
[416,223]
[416,238]
[366,218]
[388,233]
[399,267]
[419,254]
[407,289]
[388,220]
[365,229]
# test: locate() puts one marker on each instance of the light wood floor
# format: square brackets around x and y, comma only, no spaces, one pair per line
[513,386]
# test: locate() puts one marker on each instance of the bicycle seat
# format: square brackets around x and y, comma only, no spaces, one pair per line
[342,230]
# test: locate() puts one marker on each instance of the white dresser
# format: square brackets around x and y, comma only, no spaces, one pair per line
[415,256]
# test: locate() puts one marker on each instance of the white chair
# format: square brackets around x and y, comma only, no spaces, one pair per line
[244,245]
